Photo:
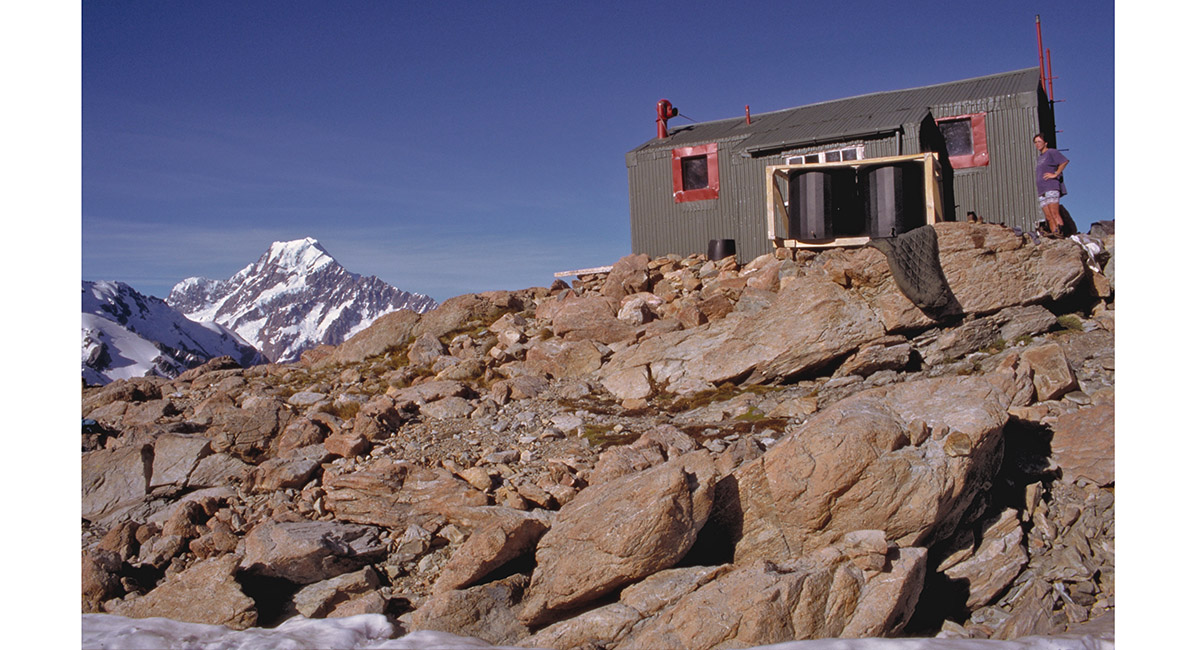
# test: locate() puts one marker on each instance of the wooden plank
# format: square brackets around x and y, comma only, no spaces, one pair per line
[578,272]
[931,167]
[824,243]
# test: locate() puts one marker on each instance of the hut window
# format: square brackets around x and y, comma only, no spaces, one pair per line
[832,155]
[694,173]
[966,140]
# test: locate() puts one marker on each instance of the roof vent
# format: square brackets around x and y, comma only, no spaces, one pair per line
[665,112]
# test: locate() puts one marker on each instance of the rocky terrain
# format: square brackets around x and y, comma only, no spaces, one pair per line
[676,454]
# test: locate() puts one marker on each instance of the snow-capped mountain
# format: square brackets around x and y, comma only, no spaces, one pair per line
[127,334]
[295,297]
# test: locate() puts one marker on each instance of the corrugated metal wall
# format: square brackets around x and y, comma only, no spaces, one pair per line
[1001,192]
[660,226]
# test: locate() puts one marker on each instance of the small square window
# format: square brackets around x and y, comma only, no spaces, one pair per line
[833,156]
[966,140]
[812,158]
[958,137]
[694,173]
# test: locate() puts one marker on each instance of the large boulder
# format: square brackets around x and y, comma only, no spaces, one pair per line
[485,612]
[590,318]
[175,456]
[973,256]
[565,359]
[995,562]
[1083,445]
[115,481]
[505,537]
[461,312]
[205,593]
[606,625]
[388,331]
[247,433]
[613,534]
[835,592]
[629,275]
[324,599]
[305,552]
[811,323]
[906,459]
[396,494]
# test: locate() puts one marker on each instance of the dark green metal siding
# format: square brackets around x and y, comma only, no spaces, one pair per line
[887,124]
[1003,190]
[660,226]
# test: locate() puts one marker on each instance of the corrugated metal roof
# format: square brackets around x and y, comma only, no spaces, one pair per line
[848,118]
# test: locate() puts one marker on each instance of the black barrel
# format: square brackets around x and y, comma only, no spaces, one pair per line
[719,249]
[894,200]
[810,205]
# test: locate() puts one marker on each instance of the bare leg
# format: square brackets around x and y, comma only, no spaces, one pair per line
[1053,219]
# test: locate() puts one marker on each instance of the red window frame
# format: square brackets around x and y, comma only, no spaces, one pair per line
[714,177]
[979,156]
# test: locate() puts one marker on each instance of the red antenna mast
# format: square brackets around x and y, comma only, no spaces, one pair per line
[1044,74]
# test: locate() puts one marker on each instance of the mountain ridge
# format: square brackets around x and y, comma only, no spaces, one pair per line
[294,297]
[127,334]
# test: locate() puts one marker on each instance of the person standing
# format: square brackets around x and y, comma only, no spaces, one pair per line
[1050,188]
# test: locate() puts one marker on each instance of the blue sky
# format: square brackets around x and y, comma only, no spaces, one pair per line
[457,147]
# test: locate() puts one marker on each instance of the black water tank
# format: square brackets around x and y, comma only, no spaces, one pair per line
[719,249]
[893,199]
[810,205]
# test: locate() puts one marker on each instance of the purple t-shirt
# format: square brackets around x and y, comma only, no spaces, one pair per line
[1047,162]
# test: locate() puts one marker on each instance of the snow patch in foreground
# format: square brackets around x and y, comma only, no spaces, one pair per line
[373,631]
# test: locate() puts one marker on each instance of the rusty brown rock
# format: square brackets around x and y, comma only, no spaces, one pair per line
[1083,445]
[302,432]
[291,470]
[505,537]
[1052,373]
[992,566]
[175,456]
[619,532]
[305,552]
[203,593]
[395,494]
[388,331]
[854,465]
[115,480]
[247,433]
[565,359]
[101,578]
[324,599]
[821,595]
[629,275]
[590,318]
[377,419]
[485,612]
[811,323]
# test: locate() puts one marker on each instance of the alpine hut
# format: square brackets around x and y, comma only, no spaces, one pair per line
[843,171]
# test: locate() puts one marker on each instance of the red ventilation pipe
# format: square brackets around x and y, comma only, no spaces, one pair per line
[665,112]
[1041,57]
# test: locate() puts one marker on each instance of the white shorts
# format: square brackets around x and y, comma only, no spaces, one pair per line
[1048,198]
